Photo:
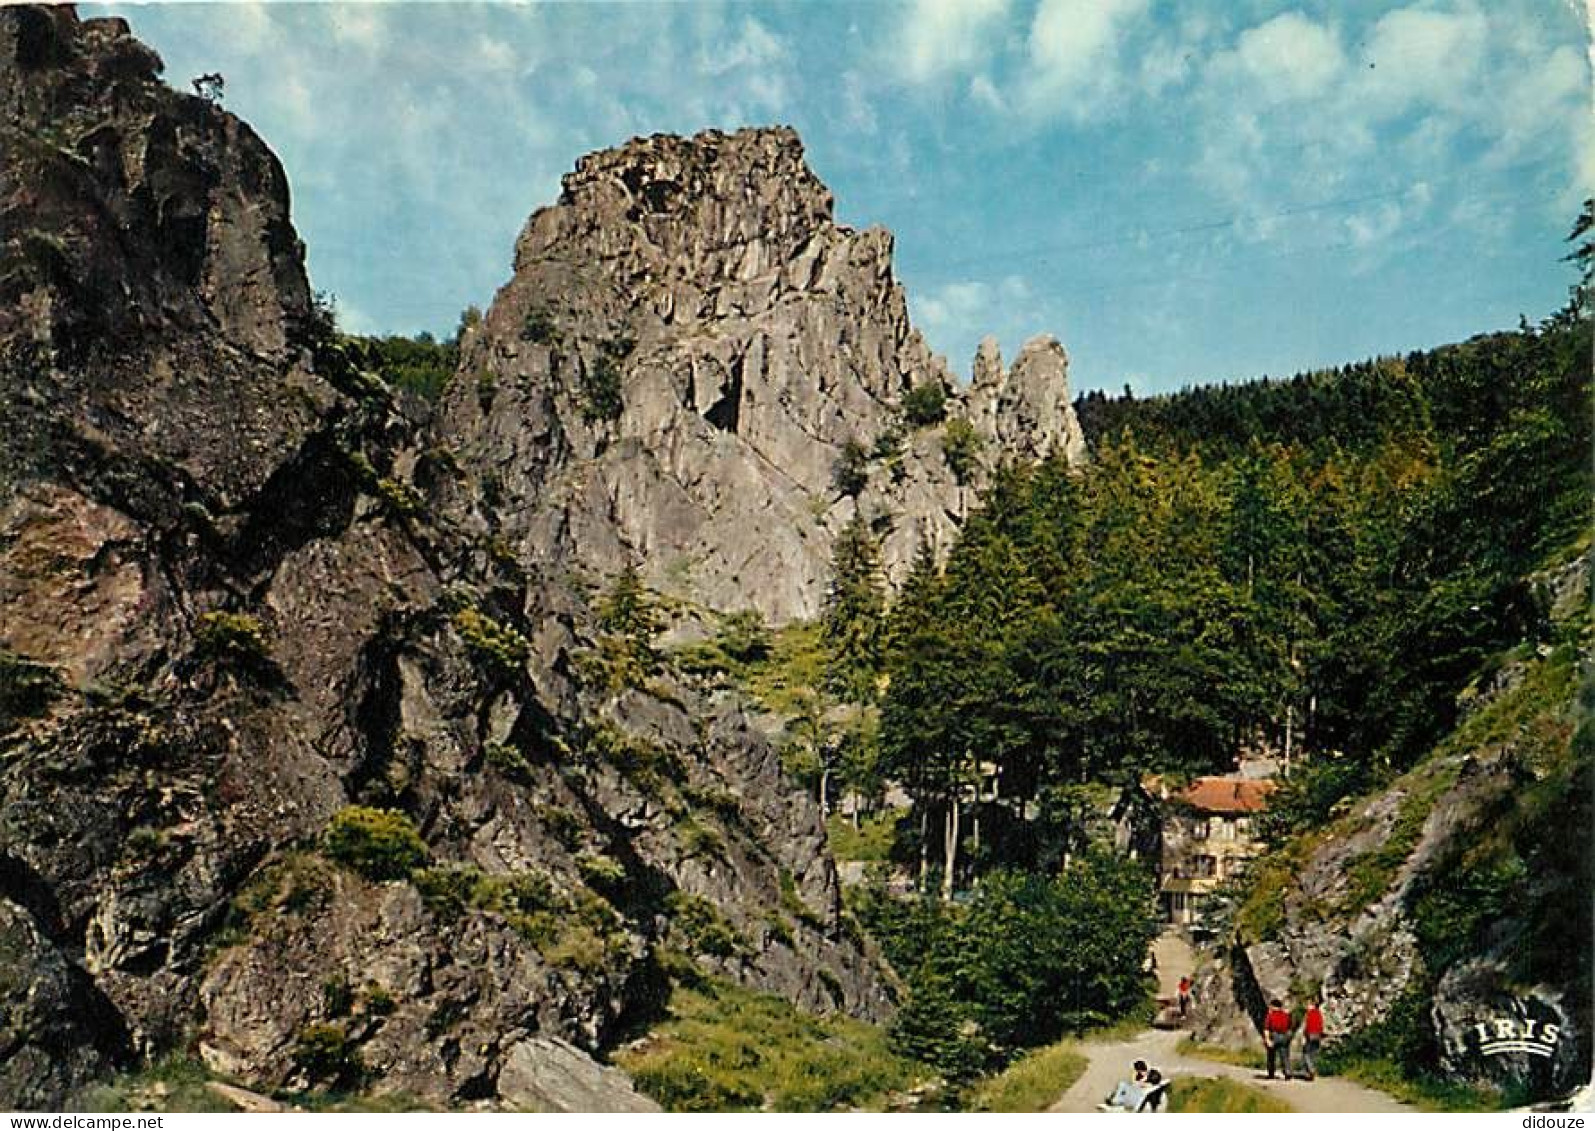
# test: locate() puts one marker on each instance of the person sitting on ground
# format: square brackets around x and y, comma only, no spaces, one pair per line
[1276,1038]
[1129,1094]
[1156,1089]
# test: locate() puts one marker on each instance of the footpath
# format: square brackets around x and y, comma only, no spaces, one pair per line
[1110,1061]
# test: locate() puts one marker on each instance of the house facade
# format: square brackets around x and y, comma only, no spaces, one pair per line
[1200,835]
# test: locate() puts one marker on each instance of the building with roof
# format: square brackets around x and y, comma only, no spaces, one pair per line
[1201,835]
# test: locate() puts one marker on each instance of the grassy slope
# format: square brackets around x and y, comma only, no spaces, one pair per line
[723,1048]
[1215,1094]
[1032,1083]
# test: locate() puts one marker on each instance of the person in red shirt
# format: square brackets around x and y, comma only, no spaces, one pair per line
[1185,995]
[1276,1038]
[1312,1031]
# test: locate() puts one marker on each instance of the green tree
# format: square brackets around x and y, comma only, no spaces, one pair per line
[629,620]
[925,404]
[854,606]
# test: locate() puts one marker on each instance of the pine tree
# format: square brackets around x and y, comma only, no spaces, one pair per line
[854,607]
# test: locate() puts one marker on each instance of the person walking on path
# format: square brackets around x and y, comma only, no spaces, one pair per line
[1185,995]
[1276,1038]
[1312,1032]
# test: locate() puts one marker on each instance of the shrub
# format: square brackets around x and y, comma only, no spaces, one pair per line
[724,1048]
[960,447]
[601,871]
[337,996]
[850,472]
[377,1001]
[231,638]
[936,1028]
[507,760]
[600,385]
[562,824]
[499,646]
[539,326]
[326,1055]
[703,925]
[743,637]
[925,404]
[380,844]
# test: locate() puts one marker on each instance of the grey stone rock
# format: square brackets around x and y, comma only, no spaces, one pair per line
[1491,1030]
[745,340]
[547,1074]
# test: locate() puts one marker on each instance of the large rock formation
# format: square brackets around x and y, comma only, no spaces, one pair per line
[689,349]
[243,587]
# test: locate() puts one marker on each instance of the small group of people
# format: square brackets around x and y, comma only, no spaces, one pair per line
[1144,1092]
[1278,1030]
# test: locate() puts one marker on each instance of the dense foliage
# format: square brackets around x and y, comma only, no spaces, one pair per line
[1027,958]
[1316,567]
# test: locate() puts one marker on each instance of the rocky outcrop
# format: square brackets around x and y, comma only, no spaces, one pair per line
[244,587]
[1024,412]
[540,1074]
[1436,917]
[689,350]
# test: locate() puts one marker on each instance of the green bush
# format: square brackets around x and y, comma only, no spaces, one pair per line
[602,872]
[326,1055]
[539,326]
[497,645]
[1030,958]
[704,927]
[600,385]
[960,447]
[723,1048]
[231,637]
[850,472]
[925,404]
[380,844]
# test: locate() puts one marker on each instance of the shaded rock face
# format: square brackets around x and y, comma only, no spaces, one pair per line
[1437,906]
[688,346]
[236,582]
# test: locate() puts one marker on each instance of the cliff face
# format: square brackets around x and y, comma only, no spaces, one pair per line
[248,595]
[688,348]
[1456,898]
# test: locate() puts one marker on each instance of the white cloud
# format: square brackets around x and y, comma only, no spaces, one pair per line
[984,92]
[1288,57]
[359,25]
[947,37]
[755,46]
[1416,56]
[1076,54]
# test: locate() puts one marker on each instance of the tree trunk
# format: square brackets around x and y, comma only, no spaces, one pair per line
[924,846]
[951,855]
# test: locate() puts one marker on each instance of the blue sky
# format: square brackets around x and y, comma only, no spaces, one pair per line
[1181,193]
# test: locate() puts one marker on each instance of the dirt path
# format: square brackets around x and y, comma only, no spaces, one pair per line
[1111,1061]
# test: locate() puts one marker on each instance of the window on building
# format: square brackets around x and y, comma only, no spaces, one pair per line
[1205,866]
[1200,829]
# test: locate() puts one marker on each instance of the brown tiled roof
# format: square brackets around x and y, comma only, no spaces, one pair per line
[1227,795]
